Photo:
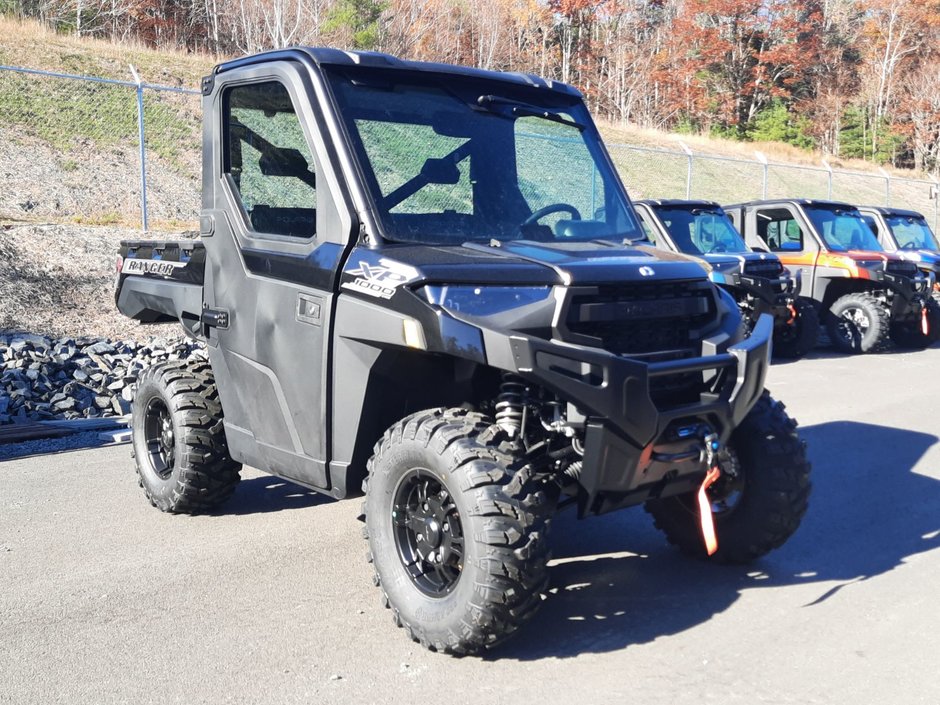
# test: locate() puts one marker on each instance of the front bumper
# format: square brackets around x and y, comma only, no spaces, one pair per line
[909,288]
[768,291]
[623,421]
[773,296]
[910,294]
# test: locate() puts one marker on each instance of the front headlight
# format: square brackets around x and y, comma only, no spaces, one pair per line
[484,300]
[867,263]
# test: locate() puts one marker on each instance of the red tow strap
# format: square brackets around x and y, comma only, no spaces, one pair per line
[705,511]
[924,324]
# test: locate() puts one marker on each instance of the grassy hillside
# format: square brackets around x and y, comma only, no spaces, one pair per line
[26,43]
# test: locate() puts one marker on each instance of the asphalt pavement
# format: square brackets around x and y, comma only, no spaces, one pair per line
[103,599]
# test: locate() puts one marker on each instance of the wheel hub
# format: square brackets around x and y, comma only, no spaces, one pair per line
[428,533]
[856,317]
[160,439]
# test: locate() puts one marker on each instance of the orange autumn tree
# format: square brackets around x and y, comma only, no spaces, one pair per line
[731,58]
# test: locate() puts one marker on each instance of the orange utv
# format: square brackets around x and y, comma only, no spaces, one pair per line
[866,297]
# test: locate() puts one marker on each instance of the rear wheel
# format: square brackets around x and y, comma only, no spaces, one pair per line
[457,530]
[798,337]
[758,501]
[910,334]
[178,439]
[858,323]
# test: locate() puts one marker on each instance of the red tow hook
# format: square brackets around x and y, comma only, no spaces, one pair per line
[705,511]
[704,505]
[924,323]
[792,310]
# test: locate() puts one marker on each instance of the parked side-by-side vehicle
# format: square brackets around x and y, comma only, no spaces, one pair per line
[867,297]
[758,281]
[420,281]
[907,233]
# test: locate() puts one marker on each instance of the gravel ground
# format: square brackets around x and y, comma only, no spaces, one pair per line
[58,280]
[45,446]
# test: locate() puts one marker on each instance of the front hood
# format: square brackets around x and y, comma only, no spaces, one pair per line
[928,258]
[867,255]
[726,264]
[601,262]
[514,263]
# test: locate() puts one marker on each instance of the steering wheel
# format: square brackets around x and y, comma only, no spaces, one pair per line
[909,246]
[548,210]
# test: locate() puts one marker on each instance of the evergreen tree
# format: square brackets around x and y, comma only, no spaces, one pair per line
[361,18]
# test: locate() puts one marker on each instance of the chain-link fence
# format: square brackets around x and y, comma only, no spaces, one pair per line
[662,173]
[97,150]
[121,151]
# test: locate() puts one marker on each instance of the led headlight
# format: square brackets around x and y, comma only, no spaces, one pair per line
[484,300]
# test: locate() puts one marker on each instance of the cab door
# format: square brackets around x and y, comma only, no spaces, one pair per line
[275,236]
[782,230]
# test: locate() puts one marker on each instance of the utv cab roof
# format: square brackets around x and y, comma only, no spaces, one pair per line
[323,56]
[888,210]
[678,203]
[798,201]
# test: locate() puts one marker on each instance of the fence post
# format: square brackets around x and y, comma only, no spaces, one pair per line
[688,173]
[763,160]
[887,185]
[143,152]
[935,195]
[825,163]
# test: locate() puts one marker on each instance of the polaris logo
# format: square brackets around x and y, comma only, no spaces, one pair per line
[646,271]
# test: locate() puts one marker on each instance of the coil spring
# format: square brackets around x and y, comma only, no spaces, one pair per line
[510,404]
[574,470]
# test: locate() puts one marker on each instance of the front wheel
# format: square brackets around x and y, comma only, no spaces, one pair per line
[760,498]
[910,334]
[797,337]
[457,530]
[858,323]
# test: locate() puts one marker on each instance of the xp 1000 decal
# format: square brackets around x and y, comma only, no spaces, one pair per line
[380,280]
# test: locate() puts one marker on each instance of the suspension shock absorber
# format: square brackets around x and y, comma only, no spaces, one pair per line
[510,404]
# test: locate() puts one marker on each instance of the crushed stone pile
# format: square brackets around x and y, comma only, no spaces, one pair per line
[66,378]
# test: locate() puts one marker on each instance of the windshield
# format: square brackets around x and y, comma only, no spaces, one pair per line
[701,231]
[911,233]
[843,229]
[450,159]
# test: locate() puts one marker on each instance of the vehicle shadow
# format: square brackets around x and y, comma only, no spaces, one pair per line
[824,349]
[259,495]
[618,584]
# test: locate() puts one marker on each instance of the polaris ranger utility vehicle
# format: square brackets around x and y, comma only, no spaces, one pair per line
[867,296]
[758,281]
[907,233]
[417,280]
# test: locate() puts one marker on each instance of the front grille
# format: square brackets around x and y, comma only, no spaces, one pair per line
[901,267]
[771,269]
[649,320]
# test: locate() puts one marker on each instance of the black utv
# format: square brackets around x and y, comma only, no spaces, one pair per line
[758,281]
[418,281]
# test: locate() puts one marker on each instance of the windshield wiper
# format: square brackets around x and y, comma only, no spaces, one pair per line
[518,108]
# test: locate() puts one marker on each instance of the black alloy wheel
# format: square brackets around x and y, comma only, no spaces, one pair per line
[160,439]
[428,533]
